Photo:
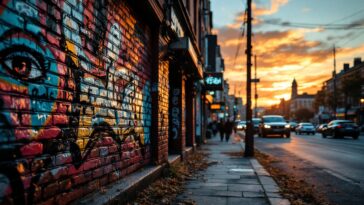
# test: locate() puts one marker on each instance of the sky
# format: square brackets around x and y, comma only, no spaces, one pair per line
[291,39]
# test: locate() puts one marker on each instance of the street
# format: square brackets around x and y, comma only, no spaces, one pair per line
[334,166]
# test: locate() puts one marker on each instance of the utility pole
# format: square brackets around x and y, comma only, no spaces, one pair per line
[256,91]
[249,138]
[235,104]
[334,76]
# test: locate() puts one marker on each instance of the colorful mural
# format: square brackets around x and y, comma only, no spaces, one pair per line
[75,103]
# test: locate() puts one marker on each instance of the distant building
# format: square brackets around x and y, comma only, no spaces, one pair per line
[284,108]
[300,101]
[348,104]
[235,108]
[240,109]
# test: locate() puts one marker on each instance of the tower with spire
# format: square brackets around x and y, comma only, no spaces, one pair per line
[304,100]
[294,89]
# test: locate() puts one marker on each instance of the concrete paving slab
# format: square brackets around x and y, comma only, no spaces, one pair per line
[279,201]
[247,201]
[253,194]
[208,200]
[271,188]
[273,195]
[243,181]
[231,180]
[245,187]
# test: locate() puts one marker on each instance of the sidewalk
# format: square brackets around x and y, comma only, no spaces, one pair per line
[231,179]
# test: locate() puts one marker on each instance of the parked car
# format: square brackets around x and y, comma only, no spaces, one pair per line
[241,125]
[256,122]
[320,127]
[274,125]
[305,127]
[341,128]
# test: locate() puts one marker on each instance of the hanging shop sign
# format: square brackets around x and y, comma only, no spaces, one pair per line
[213,81]
[217,106]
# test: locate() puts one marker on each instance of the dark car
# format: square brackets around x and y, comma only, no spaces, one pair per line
[341,128]
[321,127]
[256,122]
[274,125]
[305,127]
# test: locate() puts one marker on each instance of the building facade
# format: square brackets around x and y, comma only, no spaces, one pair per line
[92,91]
[297,102]
[345,90]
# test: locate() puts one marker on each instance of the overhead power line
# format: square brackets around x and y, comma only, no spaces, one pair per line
[346,17]
[324,26]
[329,26]
[354,37]
[241,37]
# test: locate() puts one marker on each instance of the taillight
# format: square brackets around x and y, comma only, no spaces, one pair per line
[339,126]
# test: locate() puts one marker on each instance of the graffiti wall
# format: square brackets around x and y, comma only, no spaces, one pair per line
[75,105]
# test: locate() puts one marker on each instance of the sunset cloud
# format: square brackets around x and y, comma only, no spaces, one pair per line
[282,56]
[284,53]
[259,10]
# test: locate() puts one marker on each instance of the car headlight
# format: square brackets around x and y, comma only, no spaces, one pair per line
[267,126]
[287,126]
[239,126]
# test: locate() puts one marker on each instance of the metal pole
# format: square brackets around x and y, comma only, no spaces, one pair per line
[249,138]
[256,91]
[335,101]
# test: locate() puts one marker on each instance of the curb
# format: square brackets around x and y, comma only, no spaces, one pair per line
[271,189]
[127,188]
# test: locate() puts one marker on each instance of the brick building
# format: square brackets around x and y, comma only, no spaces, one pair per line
[91,91]
[349,91]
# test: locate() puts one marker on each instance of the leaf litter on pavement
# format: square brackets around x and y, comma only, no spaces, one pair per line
[164,191]
[298,192]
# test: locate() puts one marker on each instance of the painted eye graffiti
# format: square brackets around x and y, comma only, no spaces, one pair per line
[24,63]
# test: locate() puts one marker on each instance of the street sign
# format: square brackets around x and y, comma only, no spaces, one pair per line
[255,80]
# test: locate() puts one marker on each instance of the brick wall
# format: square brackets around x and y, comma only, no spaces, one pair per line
[75,103]
[163,122]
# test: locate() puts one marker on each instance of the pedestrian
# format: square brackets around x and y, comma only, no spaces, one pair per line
[221,127]
[214,127]
[209,130]
[228,128]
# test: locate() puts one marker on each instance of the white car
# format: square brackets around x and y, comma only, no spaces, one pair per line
[241,125]
[305,127]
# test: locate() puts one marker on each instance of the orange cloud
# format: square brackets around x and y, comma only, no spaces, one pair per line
[258,10]
[273,8]
[282,56]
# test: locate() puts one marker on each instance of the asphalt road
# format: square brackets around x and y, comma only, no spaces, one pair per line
[334,166]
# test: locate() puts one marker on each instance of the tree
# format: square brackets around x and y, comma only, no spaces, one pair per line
[304,114]
[351,90]
[319,99]
[330,100]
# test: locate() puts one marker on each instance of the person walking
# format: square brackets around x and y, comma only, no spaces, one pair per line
[228,128]
[221,127]
[214,127]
